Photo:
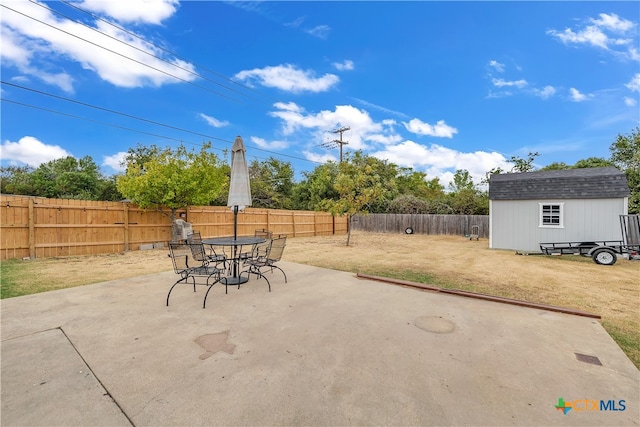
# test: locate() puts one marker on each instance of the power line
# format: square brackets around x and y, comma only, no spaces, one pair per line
[110,111]
[165,50]
[124,56]
[137,48]
[135,118]
[141,63]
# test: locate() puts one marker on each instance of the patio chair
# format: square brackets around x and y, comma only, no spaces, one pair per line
[262,232]
[267,258]
[212,255]
[186,264]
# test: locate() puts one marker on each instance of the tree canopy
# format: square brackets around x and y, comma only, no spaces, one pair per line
[271,184]
[359,184]
[176,178]
[157,177]
[625,154]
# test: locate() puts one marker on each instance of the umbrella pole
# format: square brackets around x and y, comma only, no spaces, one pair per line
[235,236]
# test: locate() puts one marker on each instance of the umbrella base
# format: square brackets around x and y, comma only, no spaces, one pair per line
[229,281]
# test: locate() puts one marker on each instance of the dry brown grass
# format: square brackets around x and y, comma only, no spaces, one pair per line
[612,292]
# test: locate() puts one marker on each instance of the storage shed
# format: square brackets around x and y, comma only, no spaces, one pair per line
[574,205]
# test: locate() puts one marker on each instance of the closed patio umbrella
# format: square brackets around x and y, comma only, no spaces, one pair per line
[239,187]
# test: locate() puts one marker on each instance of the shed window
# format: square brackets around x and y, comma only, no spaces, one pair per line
[551,215]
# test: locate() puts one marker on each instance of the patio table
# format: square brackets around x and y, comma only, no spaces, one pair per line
[236,245]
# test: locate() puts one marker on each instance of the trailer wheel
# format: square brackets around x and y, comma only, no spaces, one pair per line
[604,256]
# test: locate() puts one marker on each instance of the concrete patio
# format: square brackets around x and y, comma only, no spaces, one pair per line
[325,349]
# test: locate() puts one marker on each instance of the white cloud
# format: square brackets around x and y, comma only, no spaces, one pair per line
[515,83]
[576,96]
[319,158]
[613,22]
[64,40]
[380,108]
[319,31]
[347,64]
[212,121]
[379,139]
[296,22]
[590,35]
[501,94]
[634,84]
[147,11]
[496,66]
[545,93]
[442,162]
[287,77]
[13,47]
[363,128]
[440,129]
[630,102]
[114,161]
[602,33]
[269,145]
[31,151]
[387,139]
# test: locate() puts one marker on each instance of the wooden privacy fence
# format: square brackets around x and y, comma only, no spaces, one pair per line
[38,227]
[422,223]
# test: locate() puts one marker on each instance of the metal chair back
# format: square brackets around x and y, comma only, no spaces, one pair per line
[180,253]
[194,237]
[277,249]
[263,232]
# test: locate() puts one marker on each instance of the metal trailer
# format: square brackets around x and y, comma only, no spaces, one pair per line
[604,252]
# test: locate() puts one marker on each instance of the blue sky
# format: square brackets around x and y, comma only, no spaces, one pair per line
[436,86]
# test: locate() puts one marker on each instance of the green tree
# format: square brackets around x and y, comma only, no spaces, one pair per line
[415,183]
[316,187]
[108,190]
[16,180]
[465,198]
[408,204]
[625,154]
[523,165]
[165,178]
[271,184]
[592,162]
[359,185]
[462,181]
[487,175]
[67,177]
[555,166]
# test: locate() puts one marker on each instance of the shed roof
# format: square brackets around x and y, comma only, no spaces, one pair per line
[585,183]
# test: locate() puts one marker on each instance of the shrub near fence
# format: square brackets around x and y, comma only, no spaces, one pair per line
[38,227]
[422,223]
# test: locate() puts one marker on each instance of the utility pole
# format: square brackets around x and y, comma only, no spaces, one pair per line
[340,142]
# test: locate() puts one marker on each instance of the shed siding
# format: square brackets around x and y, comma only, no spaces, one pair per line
[515,223]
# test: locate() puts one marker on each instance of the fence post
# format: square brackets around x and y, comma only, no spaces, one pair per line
[126,227]
[268,219]
[293,222]
[32,230]
[315,224]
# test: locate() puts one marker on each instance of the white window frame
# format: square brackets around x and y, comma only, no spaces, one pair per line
[559,215]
